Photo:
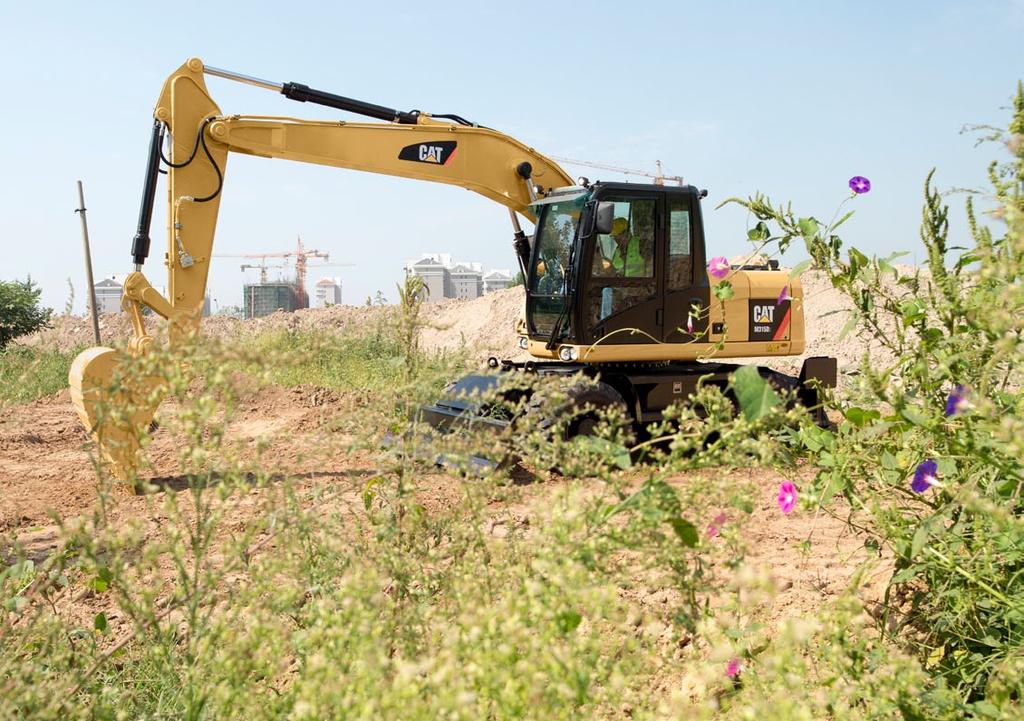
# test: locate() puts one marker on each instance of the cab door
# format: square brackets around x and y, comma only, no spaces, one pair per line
[621,301]
[687,292]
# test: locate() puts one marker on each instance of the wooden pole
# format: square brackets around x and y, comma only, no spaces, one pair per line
[88,266]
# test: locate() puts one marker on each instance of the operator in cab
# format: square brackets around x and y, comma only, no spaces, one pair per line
[627,258]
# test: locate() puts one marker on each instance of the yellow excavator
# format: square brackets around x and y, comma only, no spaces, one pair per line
[617,285]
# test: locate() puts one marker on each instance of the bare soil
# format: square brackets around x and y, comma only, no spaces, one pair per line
[46,470]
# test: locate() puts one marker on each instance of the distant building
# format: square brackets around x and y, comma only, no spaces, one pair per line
[328,292]
[467,281]
[264,298]
[497,280]
[108,296]
[436,276]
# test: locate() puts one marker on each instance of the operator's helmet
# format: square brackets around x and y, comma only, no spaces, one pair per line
[619,225]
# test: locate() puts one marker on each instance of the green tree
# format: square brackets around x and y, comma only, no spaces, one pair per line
[20,312]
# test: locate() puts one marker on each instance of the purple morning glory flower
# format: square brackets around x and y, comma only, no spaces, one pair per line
[859,184]
[957,401]
[924,476]
[718,267]
[689,324]
[783,296]
[733,669]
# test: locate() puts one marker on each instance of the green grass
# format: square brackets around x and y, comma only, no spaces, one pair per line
[29,373]
[374,361]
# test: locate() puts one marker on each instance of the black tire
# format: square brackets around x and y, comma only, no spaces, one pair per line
[583,405]
[576,412]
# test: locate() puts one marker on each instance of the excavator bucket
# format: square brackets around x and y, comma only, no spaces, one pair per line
[114,404]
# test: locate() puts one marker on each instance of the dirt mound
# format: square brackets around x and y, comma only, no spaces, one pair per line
[484,326]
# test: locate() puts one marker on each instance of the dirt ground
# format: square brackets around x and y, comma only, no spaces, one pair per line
[46,469]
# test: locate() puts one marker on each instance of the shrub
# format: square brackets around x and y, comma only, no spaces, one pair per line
[931,442]
[19,310]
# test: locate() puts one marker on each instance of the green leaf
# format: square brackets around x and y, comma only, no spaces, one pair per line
[799,268]
[850,325]
[568,621]
[686,531]
[808,227]
[912,310]
[100,622]
[742,503]
[756,397]
[914,416]
[920,540]
[102,580]
[937,654]
[857,259]
[724,291]
[759,232]
[904,576]
[842,220]
[861,416]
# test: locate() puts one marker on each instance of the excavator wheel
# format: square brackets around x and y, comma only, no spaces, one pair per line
[577,413]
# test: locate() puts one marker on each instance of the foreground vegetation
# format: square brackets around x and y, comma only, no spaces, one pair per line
[252,594]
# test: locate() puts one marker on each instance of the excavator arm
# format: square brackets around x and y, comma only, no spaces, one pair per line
[442,149]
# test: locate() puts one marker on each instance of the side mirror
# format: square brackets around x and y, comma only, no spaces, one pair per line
[604,217]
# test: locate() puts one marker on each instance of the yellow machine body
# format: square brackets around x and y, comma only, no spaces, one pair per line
[476,158]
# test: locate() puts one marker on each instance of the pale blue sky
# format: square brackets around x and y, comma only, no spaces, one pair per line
[788,98]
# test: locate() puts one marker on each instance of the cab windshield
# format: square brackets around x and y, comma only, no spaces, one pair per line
[556,232]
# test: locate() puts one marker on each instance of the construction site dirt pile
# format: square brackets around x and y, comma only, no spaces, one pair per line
[482,327]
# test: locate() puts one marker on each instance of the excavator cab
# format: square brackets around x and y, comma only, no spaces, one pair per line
[617,264]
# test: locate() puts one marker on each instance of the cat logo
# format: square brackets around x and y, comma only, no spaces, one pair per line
[436,152]
[769,320]
[764,314]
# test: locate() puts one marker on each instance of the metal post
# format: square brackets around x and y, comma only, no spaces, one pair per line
[88,265]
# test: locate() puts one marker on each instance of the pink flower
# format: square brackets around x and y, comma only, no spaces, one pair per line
[783,296]
[787,496]
[718,267]
[715,527]
[733,669]
[689,324]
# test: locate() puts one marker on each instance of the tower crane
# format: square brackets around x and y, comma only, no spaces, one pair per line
[659,177]
[300,254]
[263,268]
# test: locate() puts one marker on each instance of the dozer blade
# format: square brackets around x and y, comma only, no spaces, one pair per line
[115,406]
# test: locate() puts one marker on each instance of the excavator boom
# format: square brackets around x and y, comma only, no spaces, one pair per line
[444,149]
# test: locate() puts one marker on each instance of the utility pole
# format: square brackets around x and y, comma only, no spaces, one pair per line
[88,265]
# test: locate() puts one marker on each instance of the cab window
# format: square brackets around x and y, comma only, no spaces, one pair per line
[628,251]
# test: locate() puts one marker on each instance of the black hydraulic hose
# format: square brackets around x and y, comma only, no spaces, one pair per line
[216,168]
[141,241]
